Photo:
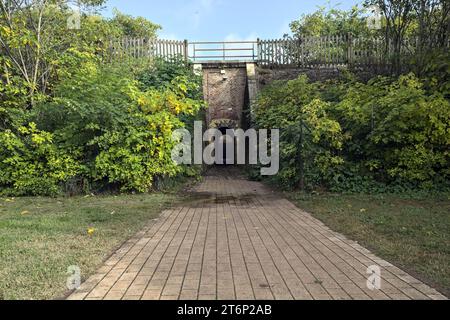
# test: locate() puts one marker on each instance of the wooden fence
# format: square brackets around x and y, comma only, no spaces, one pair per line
[331,51]
[147,48]
[328,51]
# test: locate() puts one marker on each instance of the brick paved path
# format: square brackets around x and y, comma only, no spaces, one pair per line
[237,240]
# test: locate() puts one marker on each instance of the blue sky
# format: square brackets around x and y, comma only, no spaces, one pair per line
[218,20]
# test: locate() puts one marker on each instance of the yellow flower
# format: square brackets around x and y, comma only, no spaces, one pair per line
[91,231]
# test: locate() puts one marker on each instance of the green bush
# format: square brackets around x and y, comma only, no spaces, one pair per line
[31,164]
[102,128]
[386,135]
[310,141]
[135,154]
[161,73]
[120,134]
[73,120]
[399,131]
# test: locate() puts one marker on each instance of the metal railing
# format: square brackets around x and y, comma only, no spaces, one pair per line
[223,51]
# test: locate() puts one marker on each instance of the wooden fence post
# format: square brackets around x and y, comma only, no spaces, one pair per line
[258,42]
[350,53]
[186,51]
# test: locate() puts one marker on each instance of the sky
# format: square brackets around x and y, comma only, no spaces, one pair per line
[222,20]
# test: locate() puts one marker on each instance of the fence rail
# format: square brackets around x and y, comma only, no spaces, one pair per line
[223,51]
[147,48]
[325,51]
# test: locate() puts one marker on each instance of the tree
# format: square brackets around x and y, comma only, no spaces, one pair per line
[29,35]
[425,21]
[36,42]
[433,20]
[330,22]
[397,14]
[138,27]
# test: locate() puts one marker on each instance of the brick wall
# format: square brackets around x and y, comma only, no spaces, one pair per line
[225,90]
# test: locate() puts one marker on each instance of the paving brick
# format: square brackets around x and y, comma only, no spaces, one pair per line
[151,295]
[243,242]
[189,295]
[114,295]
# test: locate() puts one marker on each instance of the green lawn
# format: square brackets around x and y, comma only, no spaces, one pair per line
[41,237]
[413,234]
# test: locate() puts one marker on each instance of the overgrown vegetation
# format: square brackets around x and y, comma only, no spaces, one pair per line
[332,22]
[72,121]
[390,134]
[387,135]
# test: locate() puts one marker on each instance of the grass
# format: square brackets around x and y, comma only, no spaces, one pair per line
[41,237]
[414,234]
